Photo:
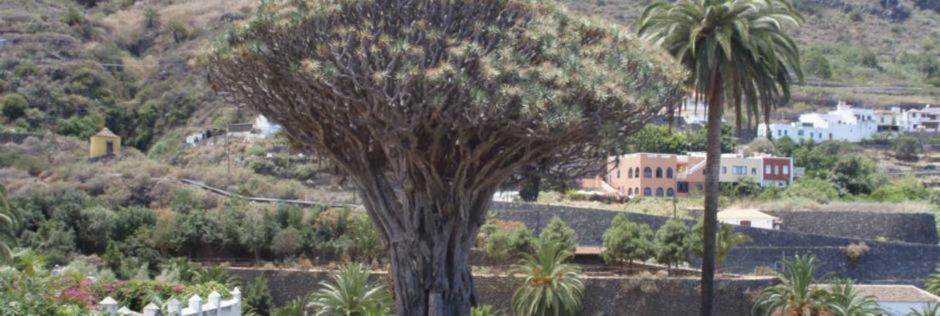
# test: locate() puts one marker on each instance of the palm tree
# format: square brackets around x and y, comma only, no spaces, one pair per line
[932,284]
[351,294]
[8,220]
[931,309]
[795,295]
[726,240]
[550,286]
[845,301]
[736,49]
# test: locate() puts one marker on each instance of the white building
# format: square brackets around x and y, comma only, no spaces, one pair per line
[845,123]
[749,218]
[919,120]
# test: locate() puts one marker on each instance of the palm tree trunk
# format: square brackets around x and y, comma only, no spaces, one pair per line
[712,166]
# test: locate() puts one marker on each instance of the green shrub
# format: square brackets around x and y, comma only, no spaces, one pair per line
[818,190]
[672,243]
[257,297]
[9,218]
[53,238]
[907,148]
[14,106]
[901,190]
[559,232]
[351,293]
[257,230]
[94,228]
[360,241]
[627,241]
[287,242]
[73,16]
[151,18]
[505,240]
[725,240]
[82,127]
[550,285]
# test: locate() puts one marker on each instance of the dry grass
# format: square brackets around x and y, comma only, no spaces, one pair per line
[793,205]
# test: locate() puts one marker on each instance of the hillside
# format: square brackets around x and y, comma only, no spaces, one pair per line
[73,67]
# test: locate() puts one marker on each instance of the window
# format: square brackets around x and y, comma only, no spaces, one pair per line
[746,223]
[647,191]
[779,132]
[629,172]
[682,187]
[670,192]
[659,172]
[630,191]
[669,173]
[739,170]
[724,170]
[699,187]
[753,171]
[786,169]
[776,169]
[647,172]
[767,169]
[618,173]
[659,191]
[799,132]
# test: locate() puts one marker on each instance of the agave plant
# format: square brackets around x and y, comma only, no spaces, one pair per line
[795,295]
[214,273]
[550,285]
[483,310]
[351,294]
[845,301]
[930,309]
[8,225]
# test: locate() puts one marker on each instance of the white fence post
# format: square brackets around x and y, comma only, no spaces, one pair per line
[151,310]
[237,296]
[109,306]
[195,305]
[214,303]
[174,307]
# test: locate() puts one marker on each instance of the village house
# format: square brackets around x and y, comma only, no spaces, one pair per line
[926,119]
[846,123]
[895,299]
[749,218]
[667,175]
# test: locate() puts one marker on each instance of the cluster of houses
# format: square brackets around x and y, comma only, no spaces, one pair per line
[847,123]
[668,175]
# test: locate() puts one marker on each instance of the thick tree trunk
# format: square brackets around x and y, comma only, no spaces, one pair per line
[712,166]
[429,234]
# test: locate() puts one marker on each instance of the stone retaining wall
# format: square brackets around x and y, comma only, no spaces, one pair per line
[906,227]
[603,295]
[886,262]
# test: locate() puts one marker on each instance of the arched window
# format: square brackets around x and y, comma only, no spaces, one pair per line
[659,191]
[669,173]
[630,190]
[647,172]
[647,191]
[670,192]
[659,172]
[636,172]
[629,172]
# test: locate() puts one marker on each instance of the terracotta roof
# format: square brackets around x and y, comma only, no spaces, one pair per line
[744,213]
[105,132]
[893,293]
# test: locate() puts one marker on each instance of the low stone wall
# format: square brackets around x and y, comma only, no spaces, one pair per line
[906,227]
[15,137]
[886,262]
[602,295]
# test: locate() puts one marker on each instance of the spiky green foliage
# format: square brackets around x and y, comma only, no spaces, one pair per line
[844,300]
[550,285]
[8,225]
[672,242]
[737,49]
[795,295]
[930,309]
[559,232]
[483,310]
[725,240]
[932,284]
[351,293]
[626,241]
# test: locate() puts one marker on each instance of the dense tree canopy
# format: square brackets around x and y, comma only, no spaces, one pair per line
[429,105]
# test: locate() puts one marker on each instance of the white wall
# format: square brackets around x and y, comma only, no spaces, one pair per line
[756,223]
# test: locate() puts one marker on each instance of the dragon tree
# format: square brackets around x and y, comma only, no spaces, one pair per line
[429,105]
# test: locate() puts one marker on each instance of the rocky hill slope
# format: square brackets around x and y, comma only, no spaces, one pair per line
[72,67]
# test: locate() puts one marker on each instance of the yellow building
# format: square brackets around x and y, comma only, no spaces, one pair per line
[105,143]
